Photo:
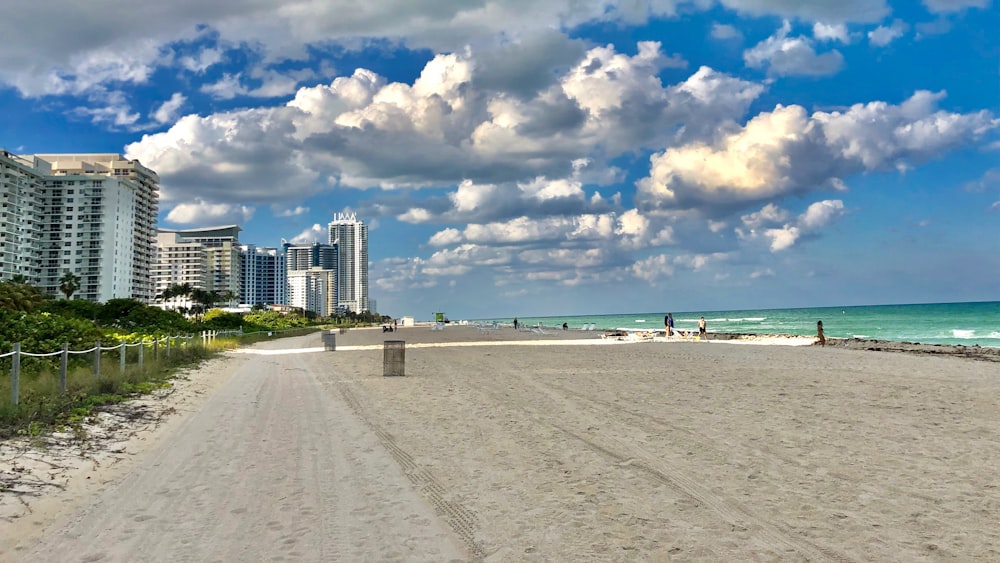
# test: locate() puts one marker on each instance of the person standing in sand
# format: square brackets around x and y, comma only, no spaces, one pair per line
[702,328]
[819,333]
[515,323]
[670,324]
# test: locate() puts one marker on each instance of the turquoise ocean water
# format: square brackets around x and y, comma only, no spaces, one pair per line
[938,323]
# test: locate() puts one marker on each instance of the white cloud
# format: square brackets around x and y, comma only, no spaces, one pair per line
[315,233]
[202,61]
[653,269]
[786,151]
[882,35]
[831,32]
[168,110]
[770,224]
[835,11]
[226,88]
[202,213]
[298,210]
[725,32]
[361,131]
[788,56]
[948,6]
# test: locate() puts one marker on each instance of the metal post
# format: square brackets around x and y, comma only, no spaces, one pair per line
[63,365]
[15,374]
[97,359]
[121,359]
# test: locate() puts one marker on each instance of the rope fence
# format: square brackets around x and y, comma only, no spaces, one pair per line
[168,344]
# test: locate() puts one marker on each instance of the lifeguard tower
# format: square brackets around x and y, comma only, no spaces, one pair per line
[439,321]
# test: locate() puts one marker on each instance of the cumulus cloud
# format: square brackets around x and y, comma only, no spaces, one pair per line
[202,212]
[786,151]
[882,35]
[363,131]
[831,32]
[315,233]
[168,110]
[770,224]
[788,56]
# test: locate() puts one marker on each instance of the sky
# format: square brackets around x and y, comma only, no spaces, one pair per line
[515,157]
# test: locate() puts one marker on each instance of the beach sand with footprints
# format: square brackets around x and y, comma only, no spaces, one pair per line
[516,446]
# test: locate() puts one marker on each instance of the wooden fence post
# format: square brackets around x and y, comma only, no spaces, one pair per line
[142,346]
[63,367]
[15,374]
[121,359]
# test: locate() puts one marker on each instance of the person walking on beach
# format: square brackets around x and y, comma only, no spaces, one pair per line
[819,333]
[702,328]
[515,323]
[670,324]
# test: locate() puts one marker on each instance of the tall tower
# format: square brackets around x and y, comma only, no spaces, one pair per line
[351,238]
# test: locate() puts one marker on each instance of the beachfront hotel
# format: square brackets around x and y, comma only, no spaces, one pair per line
[209,259]
[312,277]
[263,276]
[351,238]
[92,215]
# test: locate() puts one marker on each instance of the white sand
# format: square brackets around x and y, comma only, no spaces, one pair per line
[638,451]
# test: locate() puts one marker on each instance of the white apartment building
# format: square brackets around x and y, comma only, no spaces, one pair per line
[22,200]
[351,238]
[263,276]
[208,259]
[312,277]
[313,290]
[76,216]
[178,261]
[145,185]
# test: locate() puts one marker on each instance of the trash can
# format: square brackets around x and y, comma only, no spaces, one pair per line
[329,340]
[394,358]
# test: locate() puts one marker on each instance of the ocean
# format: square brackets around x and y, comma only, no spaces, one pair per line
[967,324]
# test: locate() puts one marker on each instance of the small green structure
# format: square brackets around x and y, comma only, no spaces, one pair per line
[439,318]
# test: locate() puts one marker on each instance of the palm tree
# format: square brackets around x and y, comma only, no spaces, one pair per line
[69,283]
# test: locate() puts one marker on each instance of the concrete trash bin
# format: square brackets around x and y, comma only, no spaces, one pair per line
[329,340]
[394,358]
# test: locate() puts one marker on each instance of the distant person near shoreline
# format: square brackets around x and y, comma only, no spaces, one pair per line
[819,333]
[515,323]
[670,324]
[702,328]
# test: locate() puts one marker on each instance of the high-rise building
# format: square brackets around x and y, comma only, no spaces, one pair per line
[145,185]
[312,277]
[211,254]
[264,277]
[351,238]
[22,201]
[81,214]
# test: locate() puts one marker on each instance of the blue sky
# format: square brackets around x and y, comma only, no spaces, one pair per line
[568,157]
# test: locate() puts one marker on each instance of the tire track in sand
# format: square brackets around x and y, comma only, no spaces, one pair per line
[459,518]
[729,510]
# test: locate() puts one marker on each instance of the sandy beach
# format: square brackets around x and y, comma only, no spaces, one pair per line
[515,446]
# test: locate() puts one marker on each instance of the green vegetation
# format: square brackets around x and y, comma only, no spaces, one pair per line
[43,325]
